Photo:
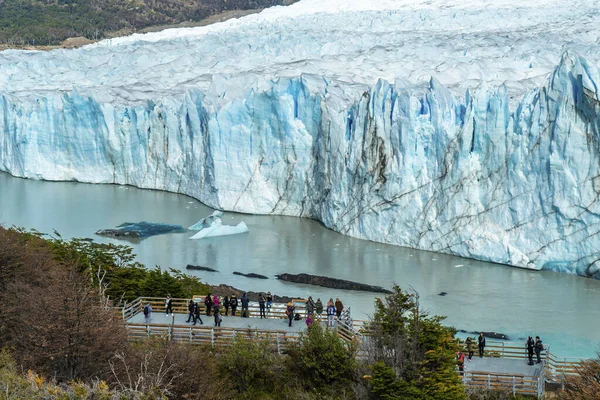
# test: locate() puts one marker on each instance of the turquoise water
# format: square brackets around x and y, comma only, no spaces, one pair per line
[562,309]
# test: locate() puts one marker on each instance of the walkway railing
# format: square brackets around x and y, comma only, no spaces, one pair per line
[515,384]
[213,336]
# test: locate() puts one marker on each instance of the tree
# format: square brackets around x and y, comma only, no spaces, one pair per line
[411,353]
[585,385]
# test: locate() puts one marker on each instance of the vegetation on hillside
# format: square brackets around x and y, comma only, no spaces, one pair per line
[43,22]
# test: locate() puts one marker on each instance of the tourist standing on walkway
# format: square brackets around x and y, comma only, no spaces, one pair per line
[226,304]
[233,302]
[539,346]
[481,344]
[208,303]
[169,305]
[290,312]
[460,361]
[310,306]
[470,347]
[530,346]
[261,305]
[147,313]
[197,314]
[218,318]
[245,303]
[216,303]
[330,313]
[339,307]
[269,301]
[319,307]
[190,311]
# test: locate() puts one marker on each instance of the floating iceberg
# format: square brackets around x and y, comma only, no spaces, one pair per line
[206,222]
[217,228]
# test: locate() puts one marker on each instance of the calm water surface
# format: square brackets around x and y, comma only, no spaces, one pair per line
[562,309]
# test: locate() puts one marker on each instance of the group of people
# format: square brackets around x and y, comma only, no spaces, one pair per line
[532,346]
[213,305]
[315,310]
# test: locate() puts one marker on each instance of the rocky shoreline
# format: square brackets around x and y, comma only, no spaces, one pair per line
[332,283]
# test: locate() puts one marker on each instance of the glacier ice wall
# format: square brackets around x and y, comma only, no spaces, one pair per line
[468,176]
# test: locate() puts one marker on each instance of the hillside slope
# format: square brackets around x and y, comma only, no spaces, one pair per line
[46,22]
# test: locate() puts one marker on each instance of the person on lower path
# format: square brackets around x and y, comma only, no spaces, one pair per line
[319,307]
[530,346]
[245,303]
[330,313]
[190,311]
[261,304]
[169,305]
[310,306]
[470,347]
[339,307]
[208,303]
[218,318]
[539,346]
[481,344]
[226,305]
[233,302]
[290,312]
[197,314]
[147,313]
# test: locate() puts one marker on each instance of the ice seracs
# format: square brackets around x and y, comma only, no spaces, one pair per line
[494,158]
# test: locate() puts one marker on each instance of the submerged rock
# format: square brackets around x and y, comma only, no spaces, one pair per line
[490,335]
[331,283]
[200,268]
[140,230]
[251,275]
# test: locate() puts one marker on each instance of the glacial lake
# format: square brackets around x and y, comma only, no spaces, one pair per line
[562,309]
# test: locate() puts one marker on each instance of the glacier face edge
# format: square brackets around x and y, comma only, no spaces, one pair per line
[432,172]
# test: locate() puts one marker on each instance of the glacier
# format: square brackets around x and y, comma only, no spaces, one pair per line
[468,128]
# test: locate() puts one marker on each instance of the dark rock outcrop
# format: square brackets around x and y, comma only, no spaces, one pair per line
[199,268]
[226,290]
[490,335]
[333,283]
[442,293]
[251,275]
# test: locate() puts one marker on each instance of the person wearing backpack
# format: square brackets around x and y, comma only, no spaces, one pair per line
[470,347]
[290,312]
[330,313]
[218,318]
[269,301]
[539,346]
[208,303]
[233,302]
[147,313]
[190,311]
[216,303]
[339,307]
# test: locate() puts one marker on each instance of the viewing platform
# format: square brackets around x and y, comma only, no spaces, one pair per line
[503,367]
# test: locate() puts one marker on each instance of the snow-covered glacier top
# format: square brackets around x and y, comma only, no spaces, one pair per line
[462,43]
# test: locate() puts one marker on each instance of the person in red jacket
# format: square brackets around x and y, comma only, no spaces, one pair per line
[460,357]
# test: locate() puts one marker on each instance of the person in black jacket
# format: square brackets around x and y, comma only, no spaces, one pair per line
[190,311]
[197,314]
[208,303]
[261,305]
[169,305]
[226,304]
[245,303]
[538,348]
[530,345]
[481,343]
[233,302]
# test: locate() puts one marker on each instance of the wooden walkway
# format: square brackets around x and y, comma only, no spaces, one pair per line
[503,367]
